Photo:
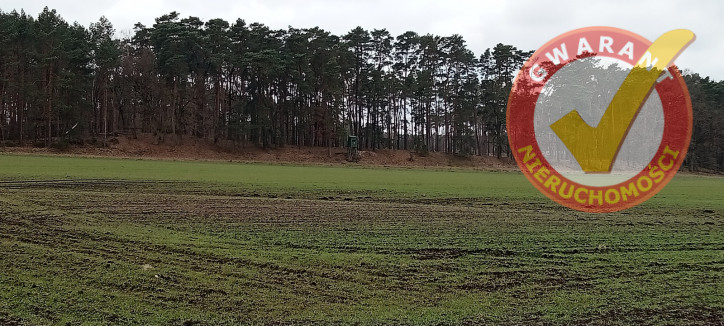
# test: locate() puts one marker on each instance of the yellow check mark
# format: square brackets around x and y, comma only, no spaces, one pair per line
[596,148]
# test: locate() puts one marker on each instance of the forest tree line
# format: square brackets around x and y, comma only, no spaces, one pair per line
[246,84]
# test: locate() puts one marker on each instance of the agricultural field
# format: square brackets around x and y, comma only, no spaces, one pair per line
[101,241]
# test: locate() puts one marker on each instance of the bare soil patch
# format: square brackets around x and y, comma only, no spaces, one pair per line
[190,148]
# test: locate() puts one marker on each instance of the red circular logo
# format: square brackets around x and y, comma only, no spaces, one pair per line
[599,120]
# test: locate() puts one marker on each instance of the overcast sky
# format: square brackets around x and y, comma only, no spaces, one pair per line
[524,24]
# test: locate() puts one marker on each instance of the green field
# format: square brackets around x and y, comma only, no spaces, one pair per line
[119,241]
